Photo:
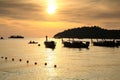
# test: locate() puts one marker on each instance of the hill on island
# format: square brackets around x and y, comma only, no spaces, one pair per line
[89,32]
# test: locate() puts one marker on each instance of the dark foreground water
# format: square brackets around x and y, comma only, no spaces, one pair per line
[95,63]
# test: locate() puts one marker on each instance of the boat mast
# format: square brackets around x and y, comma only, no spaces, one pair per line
[46,38]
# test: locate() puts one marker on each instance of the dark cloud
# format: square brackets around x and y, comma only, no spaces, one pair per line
[92,11]
[20,10]
[79,11]
[108,9]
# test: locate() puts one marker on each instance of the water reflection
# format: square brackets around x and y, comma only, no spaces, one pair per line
[50,60]
[97,63]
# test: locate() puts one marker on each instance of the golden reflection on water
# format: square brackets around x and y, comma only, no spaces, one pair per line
[97,63]
[50,60]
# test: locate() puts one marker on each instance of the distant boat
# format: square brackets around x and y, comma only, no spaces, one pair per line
[106,43]
[33,42]
[49,44]
[76,44]
[16,36]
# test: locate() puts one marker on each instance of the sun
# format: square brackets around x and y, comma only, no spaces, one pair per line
[51,7]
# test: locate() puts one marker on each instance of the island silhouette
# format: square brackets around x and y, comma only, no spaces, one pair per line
[92,32]
[16,36]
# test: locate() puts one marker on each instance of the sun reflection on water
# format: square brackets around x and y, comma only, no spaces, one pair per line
[50,60]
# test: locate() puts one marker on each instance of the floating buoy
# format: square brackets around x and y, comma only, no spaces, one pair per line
[45,64]
[38,44]
[6,58]
[35,63]
[12,59]
[55,66]
[27,61]
[2,57]
[20,60]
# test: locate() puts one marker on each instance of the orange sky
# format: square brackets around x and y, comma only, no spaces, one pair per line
[38,18]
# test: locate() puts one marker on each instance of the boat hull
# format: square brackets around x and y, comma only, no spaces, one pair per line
[76,44]
[106,44]
[50,44]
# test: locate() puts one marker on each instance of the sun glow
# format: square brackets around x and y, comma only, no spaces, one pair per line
[51,6]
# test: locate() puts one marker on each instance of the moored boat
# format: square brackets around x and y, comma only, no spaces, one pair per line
[106,43]
[118,42]
[49,44]
[33,42]
[76,44]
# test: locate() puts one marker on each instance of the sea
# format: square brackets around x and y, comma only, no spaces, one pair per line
[22,61]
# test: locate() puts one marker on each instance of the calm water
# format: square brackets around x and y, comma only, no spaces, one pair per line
[95,63]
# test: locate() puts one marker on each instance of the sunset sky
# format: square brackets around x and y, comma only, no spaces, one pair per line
[38,18]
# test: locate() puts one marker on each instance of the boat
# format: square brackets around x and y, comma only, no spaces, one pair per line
[76,44]
[106,43]
[33,42]
[118,42]
[16,36]
[49,44]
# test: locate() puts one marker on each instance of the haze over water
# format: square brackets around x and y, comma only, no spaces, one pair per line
[95,63]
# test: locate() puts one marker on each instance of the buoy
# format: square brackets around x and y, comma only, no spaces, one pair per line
[27,61]
[2,57]
[6,58]
[38,44]
[55,66]
[12,59]
[35,63]
[20,60]
[45,64]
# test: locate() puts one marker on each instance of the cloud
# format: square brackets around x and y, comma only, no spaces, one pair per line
[71,10]
[92,9]
[2,25]
[77,11]
[21,10]
[112,25]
